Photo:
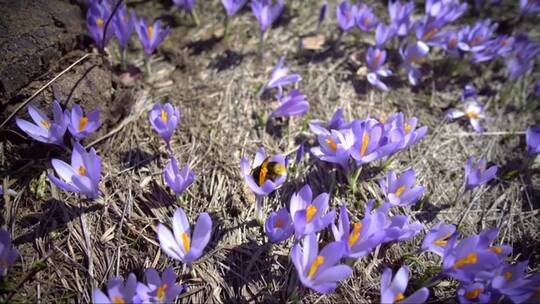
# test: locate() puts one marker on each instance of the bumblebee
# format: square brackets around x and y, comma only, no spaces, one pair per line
[268,170]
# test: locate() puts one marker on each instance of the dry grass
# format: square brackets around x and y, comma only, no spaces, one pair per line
[84,243]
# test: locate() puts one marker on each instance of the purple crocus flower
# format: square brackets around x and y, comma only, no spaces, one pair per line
[371,142]
[346,15]
[159,289]
[176,179]
[437,238]
[501,46]
[82,176]
[123,26]
[180,244]
[44,129]
[474,111]
[309,216]
[469,92]
[151,36]
[80,125]
[529,7]
[334,147]
[187,5]
[364,235]
[475,38]
[449,40]
[322,15]
[474,293]
[400,16]
[477,173]
[8,254]
[445,10]
[164,119]
[414,55]
[510,281]
[375,59]
[265,13]
[393,289]
[523,58]
[398,228]
[233,6]
[399,190]
[384,33]
[117,291]
[337,122]
[407,128]
[280,77]
[319,271]
[258,176]
[96,17]
[294,104]
[532,137]
[279,226]
[428,30]
[365,19]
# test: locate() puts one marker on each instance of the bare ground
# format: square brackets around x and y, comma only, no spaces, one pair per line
[216,89]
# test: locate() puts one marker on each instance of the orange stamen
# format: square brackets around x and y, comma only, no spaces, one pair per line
[353,238]
[45,123]
[471,258]
[310,212]
[365,142]
[82,123]
[82,170]
[473,294]
[313,269]
[400,190]
[185,241]
[330,142]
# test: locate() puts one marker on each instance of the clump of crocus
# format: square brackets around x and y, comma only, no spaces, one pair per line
[164,119]
[82,176]
[96,18]
[371,141]
[150,36]
[334,146]
[474,111]
[280,77]
[117,291]
[123,28]
[176,179]
[364,235]
[522,59]
[477,173]
[365,19]
[529,7]
[532,137]
[263,176]
[309,215]
[397,228]
[406,127]
[80,125]
[44,129]
[8,254]
[400,16]
[375,59]
[159,289]
[437,238]
[393,289]
[181,244]
[320,271]
[279,226]
[399,190]
[266,15]
[384,33]
[475,38]
[293,104]
[414,55]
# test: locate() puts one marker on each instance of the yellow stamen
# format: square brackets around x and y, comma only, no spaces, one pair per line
[366,22]
[310,212]
[382,120]
[507,275]
[496,250]
[318,262]
[407,128]
[476,40]
[150,32]
[471,258]
[399,297]
[378,57]
[365,142]
[118,300]
[472,115]
[400,190]
[82,123]
[82,170]
[473,294]
[99,22]
[263,172]
[279,223]
[185,241]
[330,142]
[45,123]
[430,34]
[443,241]
[452,43]
[161,291]
[164,116]
[353,238]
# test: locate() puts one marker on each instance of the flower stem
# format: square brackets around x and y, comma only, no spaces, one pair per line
[123,58]
[195,17]
[259,216]
[261,44]
[147,65]
[226,29]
